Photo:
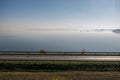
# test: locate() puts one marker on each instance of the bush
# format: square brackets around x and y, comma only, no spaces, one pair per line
[43,51]
[59,66]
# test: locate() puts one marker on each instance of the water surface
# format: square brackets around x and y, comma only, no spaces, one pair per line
[62,40]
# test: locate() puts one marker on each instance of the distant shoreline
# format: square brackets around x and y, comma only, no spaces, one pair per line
[59,53]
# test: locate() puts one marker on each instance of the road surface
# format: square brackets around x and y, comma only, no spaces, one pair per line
[59,58]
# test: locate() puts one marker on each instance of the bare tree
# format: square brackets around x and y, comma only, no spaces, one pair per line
[83,51]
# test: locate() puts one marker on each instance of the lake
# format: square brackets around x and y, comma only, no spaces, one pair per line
[63,40]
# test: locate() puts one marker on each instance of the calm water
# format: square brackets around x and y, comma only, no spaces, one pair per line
[62,40]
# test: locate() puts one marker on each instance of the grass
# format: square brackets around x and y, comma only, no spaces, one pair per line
[69,75]
[35,70]
[58,66]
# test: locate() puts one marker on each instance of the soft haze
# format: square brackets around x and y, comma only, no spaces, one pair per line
[60,13]
[59,25]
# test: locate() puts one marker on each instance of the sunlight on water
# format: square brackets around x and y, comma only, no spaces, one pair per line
[62,40]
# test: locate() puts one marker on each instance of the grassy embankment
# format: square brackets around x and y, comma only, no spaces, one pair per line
[58,66]
[34,70]
[69,75]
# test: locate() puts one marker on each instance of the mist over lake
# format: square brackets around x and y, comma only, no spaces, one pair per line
[60,25]
[63,40]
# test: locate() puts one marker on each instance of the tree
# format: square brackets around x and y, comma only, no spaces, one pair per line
[83,51]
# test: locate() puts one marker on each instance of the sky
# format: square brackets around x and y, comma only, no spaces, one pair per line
[19,14]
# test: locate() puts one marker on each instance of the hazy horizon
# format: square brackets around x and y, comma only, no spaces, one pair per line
[59,25]
[21,14]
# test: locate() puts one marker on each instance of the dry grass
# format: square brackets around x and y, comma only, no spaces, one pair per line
[71,75]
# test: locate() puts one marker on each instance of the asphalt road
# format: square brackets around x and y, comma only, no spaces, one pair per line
[59,58]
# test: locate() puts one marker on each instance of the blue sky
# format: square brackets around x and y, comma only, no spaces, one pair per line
[59,13]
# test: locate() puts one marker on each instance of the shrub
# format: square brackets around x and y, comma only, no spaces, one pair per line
[43,51]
